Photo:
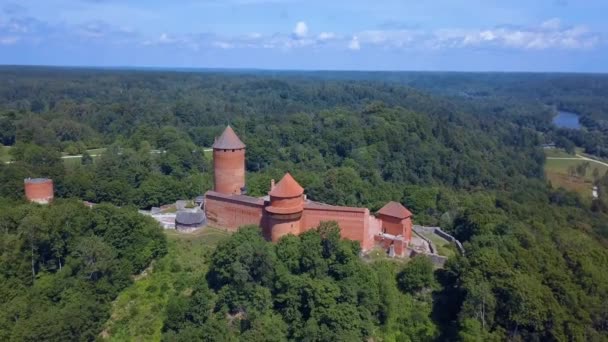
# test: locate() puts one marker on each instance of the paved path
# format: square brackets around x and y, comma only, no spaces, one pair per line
[580,157]
[77,156]
[591,159]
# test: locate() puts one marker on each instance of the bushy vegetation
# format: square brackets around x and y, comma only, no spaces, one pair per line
[312,287]
[62,265]
[139,312]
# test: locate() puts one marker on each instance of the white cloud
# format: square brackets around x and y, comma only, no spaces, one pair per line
[165,39]
[390,38]
[550,34]
[9,40]
[93,30]
[354,43]
[551,24]
[223,45]
[324,36]
[301,29]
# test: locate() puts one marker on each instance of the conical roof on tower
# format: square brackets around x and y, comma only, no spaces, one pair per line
[286,188]
[228,140]
[395,209]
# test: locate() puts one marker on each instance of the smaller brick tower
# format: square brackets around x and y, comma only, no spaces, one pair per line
[38,190]
[229,163]
[286,207]
[396,220]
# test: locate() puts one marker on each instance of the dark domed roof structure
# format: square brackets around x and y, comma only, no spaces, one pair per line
[189,219]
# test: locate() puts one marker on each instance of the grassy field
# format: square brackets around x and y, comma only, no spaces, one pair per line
[208,154]
[93,152]
[75,160]
[4,156]
[138,312]
[558,152]
[556,171]
[561,166]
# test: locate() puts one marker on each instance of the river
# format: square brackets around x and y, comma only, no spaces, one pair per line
[565,119]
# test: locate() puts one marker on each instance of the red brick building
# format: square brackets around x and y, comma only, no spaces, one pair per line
[288,211]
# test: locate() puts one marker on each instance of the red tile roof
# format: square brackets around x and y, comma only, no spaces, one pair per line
[228,140]
[287,187]
[394,209]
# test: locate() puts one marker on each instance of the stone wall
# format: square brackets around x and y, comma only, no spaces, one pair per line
[437,260]
[439,232]
[432,246]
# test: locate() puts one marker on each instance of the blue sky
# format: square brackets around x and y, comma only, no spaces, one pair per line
[468,35]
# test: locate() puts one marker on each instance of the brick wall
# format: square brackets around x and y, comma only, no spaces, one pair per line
[353,222]
[395,226]
[385,243]
[232,212]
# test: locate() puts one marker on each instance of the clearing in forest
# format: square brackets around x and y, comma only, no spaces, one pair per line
[575,172]
[138,312]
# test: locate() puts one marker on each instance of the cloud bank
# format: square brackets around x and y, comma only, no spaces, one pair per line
[17,28]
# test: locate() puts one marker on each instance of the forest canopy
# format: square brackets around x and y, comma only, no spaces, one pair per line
[62,265]
[462,151]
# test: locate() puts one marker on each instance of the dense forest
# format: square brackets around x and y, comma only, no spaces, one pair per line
[62,265]
[313,287]
[462,151]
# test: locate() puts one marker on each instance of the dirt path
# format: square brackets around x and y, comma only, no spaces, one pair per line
[580,157]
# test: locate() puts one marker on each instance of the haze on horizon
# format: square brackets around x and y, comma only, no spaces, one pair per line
[458,35]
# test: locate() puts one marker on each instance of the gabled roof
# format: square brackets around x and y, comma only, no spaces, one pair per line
[394,209]
[287,187]
[228,140]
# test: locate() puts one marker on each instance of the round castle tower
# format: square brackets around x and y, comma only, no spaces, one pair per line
[39,190]
[229,163]
[286,207]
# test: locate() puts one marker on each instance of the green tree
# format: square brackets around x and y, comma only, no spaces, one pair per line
[86,158]
[417,275]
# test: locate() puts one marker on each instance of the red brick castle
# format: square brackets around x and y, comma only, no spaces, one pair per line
[286,210]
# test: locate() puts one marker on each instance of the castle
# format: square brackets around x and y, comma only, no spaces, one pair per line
[286,210]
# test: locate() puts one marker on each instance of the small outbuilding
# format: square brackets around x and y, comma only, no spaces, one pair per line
[189,220]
